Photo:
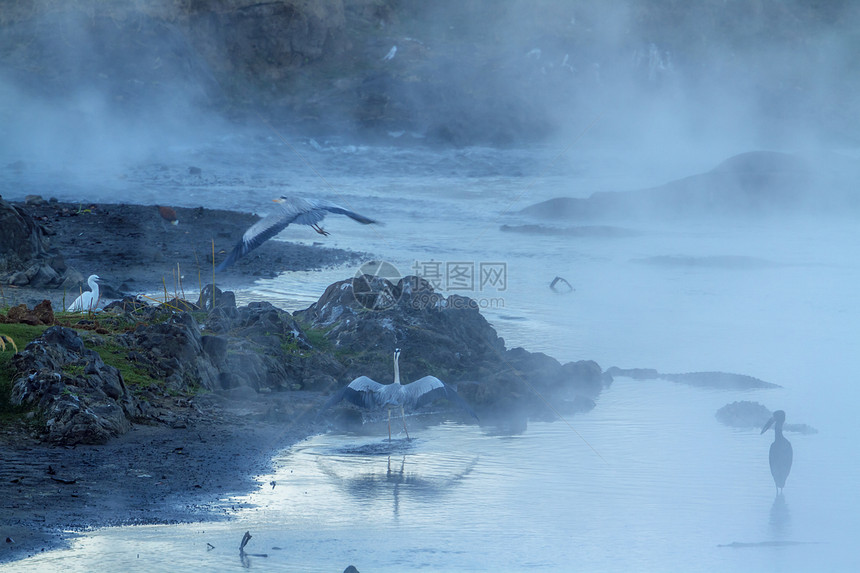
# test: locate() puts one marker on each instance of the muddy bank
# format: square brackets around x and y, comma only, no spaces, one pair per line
[213,445]
[152,474]
[135,251]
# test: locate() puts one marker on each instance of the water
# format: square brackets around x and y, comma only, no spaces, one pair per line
[646,481]
[673,490]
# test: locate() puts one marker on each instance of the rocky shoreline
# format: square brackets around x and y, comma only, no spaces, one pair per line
[151,413]
[189,453]
[134,250]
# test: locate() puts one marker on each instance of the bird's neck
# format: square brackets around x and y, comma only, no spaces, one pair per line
[396,371]
[777,429]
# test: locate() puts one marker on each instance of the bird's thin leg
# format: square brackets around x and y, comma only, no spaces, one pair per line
[320,230]
[389,425]
[403,417]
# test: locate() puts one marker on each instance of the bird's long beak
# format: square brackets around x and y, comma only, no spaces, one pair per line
[768,425]
[278,200]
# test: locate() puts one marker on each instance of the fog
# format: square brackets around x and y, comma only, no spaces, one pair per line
[682,256]
[652,82]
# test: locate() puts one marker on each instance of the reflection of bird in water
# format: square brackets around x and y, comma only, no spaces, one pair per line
[780,451]
[292,210]
[780,517]
[426,481]
[369,394]
[88,301]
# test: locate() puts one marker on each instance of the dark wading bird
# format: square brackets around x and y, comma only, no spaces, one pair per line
[780,451]
[296,210]
[371,395]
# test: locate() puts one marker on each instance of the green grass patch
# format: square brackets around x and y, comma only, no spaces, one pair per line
[318,337]
[291,346]
[201,316]
[8,410]
[22,334]
[134,376]
[73,369]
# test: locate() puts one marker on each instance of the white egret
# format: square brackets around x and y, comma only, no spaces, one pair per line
[88,301]
[369,394]
[292,210]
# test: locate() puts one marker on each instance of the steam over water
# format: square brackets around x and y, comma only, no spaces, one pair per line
[665,487]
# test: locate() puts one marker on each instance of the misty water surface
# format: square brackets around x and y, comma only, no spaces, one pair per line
[665,486]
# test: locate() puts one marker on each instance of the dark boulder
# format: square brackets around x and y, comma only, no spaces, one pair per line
[21,238]
[220,299]
[365,318]
[221,307]
[448,336]
[25,256]
[267,349]
[257,346]
[172,351]
[84,401]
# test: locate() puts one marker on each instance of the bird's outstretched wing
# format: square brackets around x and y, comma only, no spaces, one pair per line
[332,208]
[290,210]
[312,211]
[429,388]
[259,233]
[364,392]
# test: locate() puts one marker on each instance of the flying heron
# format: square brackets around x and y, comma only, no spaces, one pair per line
[292,210]
[369,394]
[780,451]
[88,301]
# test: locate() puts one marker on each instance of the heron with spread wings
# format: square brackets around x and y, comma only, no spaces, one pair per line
[371,395]
[296,210]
